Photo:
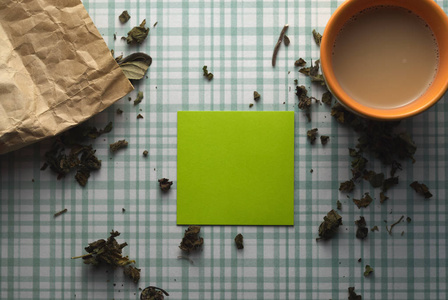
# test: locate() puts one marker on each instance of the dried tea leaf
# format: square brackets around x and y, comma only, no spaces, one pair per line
[421,189]
[364,201]
[324,139]
[145,153]
[138,34]
[155,24]
[60,212]
[362,231]
[352,295]
[119,111]
[286,40]
[408,219]
[389,182]
[124,17]
[132,272]
[376,179]
[329,226]
[114,147]
[300,62]
[153,293]
[191,240]
[392,226]
[395,166]
[339,205]
[165,184]
[239,241]
[374,228]
[135,65]
[312,135]
[359,163]
[304,100]
[139,116]
[109,252]
[383,197]
[368,270]
[277,45]
[206,74]
[251,105]
[327,98]
[139,98]
[80,158]
[347,186]
[317,37]
[256,96]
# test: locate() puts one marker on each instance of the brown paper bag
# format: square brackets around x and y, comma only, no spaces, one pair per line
[55,70]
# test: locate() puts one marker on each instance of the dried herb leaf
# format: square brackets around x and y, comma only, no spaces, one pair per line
[368,270]
[114,147]
[191,240]
[139,98]
[329,226]
[408,219]
[389,182]
[347,186]
[155,24]
[392,226]
[124,17]
[304,100]
[362,231]
[60,212]
[80,158]
[239,241]
[256,96]
[286,40]
[313,73]
[165,184]
[374,228]
[364,201]
[139,116]
[312,135]
[119,111]
[109,252]
[132,272]
[339,205]
[352,295]
[421,189]
[300,62]
[153,293]
[317,37]
[327,98]
[383,197]
[145,153]
[207,74]
[376,180]
[277,45]
[135,65]
[251,105]
[138,34]
[324,139]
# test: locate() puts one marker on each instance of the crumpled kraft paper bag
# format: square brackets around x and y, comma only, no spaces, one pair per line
[55,70]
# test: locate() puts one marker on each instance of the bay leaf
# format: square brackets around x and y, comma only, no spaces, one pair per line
[135,65]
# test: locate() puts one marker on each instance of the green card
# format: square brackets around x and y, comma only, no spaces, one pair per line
[235,168]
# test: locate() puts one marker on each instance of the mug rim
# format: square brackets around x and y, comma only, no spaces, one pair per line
[350,8]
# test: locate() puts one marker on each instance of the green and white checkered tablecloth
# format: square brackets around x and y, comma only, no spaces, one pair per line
[235,39]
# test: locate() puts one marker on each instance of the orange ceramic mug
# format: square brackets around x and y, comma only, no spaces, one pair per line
[429,11]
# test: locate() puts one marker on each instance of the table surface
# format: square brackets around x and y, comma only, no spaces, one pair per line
[235,39]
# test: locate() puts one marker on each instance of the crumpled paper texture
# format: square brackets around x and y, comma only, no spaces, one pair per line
[56,71]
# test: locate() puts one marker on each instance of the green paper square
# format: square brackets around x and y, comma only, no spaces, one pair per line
[235,168]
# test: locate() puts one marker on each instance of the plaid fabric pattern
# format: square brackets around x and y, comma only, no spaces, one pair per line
[235,39]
